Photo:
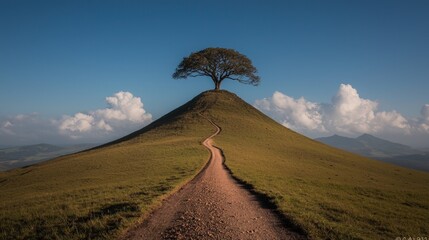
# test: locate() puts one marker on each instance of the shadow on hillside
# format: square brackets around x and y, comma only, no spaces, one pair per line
[191,106]
[267,203]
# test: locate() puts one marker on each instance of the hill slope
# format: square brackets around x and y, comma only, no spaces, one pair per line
[329,193]
[97,193]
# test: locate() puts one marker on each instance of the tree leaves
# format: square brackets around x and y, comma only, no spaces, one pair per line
[218,64]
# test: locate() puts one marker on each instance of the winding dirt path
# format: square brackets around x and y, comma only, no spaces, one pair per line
[212,206]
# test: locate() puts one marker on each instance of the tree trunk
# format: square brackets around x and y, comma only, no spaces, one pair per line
[217,85]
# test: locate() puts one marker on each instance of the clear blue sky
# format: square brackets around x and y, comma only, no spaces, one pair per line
[63,57]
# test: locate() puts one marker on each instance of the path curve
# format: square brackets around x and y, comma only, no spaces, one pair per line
[212,206]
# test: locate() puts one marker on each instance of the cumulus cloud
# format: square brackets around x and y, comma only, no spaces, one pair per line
[124,110]
[349,113]
[298,114]
[124,106]
[346,114]
[124,114]
[80,122]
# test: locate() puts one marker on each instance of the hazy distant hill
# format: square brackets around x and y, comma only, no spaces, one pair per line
[377,148]
[14,157]
[384,148]
[426,149]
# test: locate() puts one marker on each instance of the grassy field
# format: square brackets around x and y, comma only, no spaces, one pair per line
[98,193]
[328,193]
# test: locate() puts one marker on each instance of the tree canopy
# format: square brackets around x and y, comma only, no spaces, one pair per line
[218,64]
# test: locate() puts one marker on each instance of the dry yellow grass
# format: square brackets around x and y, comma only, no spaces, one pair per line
[326,192]
[98,193]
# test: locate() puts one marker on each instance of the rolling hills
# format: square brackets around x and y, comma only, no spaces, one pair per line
[380,149]
[324,191]
[368,145]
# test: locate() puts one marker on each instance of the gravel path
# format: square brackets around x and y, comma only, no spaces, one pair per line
[212,206]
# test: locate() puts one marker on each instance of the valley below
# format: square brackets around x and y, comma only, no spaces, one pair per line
[21,156]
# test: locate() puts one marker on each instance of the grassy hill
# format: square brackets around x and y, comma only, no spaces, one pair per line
[326,192]
[97,193]
[329,193]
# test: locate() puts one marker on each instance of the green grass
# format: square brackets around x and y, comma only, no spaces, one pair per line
[327,192]
[97,194]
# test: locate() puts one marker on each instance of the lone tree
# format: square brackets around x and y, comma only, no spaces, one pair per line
[218,64]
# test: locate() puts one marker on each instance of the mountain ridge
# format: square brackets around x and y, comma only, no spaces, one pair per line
[369,145]
[381,149]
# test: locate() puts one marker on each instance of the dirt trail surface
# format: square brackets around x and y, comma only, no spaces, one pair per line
[212,206]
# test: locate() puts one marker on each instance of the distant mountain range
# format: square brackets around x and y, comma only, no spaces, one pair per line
[14,157]
[380,149]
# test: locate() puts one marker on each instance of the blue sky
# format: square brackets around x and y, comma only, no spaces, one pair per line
[60,58]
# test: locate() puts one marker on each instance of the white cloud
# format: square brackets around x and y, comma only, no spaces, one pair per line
[124,110]
[22,116]
[392,122]
[350,113]
[104,126]
[124,114]
[124,106]
[347,114]
[80,122]
[294,113]
[6,128]
[7,124]
[25,129]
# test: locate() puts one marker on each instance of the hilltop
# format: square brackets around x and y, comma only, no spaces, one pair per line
[326,192]
[98,193]
[329,192]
